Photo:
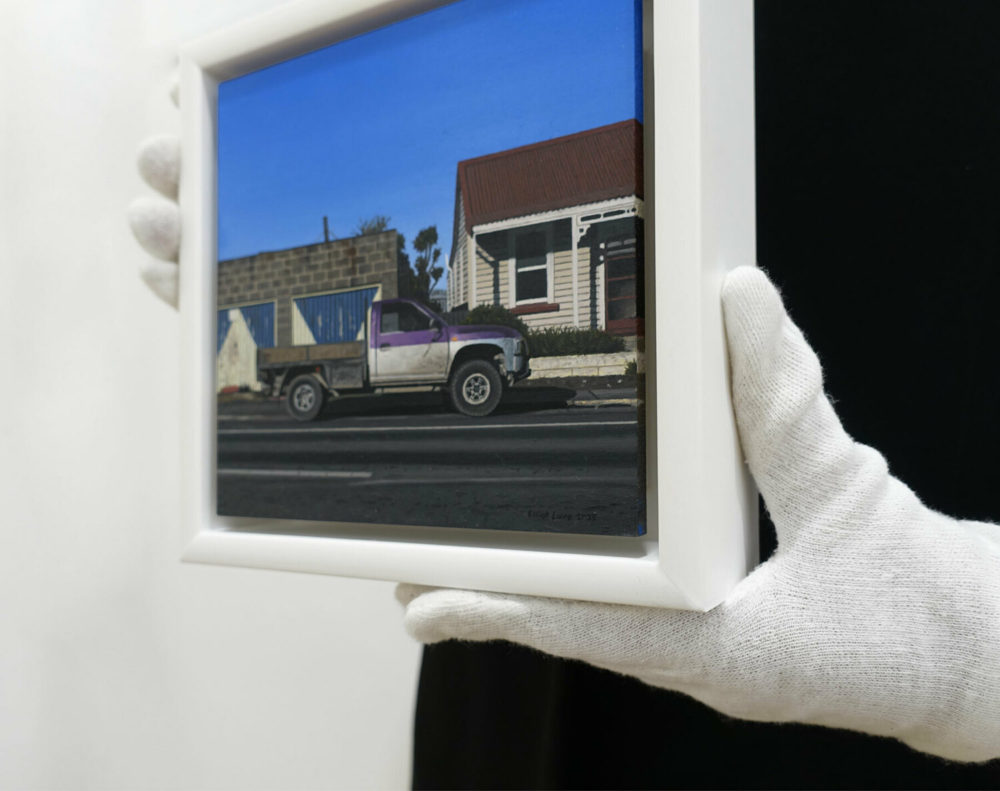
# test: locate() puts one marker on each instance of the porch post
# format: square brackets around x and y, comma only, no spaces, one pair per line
[473,265]
[573,239]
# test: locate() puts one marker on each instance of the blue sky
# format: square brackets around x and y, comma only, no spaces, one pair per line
[378,123]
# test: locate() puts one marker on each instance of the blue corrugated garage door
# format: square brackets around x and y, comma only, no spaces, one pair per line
[222,324]
[335,318]
[241,331]
[259,320]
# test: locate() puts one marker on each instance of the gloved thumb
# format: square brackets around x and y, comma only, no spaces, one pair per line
[807,467]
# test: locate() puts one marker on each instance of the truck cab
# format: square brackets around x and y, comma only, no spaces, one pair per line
[410,342]
[407,343]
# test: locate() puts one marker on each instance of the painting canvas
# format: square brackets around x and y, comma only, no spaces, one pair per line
[430,275]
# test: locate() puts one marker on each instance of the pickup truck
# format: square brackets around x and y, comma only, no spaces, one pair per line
[405,344]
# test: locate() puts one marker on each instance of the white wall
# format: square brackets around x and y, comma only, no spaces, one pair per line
[119,666]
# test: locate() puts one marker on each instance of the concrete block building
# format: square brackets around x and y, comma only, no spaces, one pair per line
[318,293]
[553,231]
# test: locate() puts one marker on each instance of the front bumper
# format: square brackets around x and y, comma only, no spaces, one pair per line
[519,370]
[516,357]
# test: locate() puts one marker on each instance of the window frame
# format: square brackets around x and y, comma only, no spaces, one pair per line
[411,306]
[624,326]
[548,266]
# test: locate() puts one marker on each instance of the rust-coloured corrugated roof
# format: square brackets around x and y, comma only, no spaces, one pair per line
[594,165]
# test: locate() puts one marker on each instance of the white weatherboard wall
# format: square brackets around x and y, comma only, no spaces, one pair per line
[119,666]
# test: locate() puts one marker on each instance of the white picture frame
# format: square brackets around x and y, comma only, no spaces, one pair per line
[699,159]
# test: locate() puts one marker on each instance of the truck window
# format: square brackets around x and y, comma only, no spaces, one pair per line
[402,317]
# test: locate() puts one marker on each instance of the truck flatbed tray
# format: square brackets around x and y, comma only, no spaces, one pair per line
[283,355]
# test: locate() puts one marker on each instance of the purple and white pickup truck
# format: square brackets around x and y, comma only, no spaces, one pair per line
[405,345]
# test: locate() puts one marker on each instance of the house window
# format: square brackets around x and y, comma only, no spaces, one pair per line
[532,265]
[622,287]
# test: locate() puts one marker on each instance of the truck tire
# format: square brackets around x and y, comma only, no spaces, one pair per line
[305,398]
[475,388]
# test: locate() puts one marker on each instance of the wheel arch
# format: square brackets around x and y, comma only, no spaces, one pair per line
[291,374]
[477,351]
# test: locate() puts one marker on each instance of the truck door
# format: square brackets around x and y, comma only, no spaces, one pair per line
[408,346]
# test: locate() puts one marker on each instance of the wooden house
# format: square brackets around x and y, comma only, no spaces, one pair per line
[553,231]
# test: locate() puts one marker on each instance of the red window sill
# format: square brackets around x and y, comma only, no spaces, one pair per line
[626,327]
[537,307]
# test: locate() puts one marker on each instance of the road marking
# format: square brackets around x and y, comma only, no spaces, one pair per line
[293,473]
[616,480]
[469,427]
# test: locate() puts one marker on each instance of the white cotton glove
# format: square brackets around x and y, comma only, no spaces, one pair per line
[156,220]
[875,614]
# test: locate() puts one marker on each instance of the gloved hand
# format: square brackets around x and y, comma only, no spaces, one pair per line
[156,220]
[875,614]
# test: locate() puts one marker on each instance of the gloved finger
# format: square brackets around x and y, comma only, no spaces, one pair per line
[161,277]
[160,163]
[156,223]
[807,467]
[407,592]
[648,642]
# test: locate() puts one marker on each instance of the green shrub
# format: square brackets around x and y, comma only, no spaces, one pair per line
[551,341]
[562,341]
[631,368]
[495,314]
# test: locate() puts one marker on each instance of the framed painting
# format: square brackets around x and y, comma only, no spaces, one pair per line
[450,294]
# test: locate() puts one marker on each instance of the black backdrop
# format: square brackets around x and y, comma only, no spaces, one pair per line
[878,169]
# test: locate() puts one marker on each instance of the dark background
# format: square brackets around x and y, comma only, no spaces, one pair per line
[878,159]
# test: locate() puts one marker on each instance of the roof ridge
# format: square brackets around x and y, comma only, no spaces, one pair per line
[552,141]
[582,167]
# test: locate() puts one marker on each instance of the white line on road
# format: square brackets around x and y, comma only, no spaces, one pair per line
[293,473]
[604,480]
[468,427]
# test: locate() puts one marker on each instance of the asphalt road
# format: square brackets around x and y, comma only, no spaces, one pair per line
[546,467]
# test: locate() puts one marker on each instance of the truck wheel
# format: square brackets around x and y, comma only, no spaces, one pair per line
[475,388]
[305,397]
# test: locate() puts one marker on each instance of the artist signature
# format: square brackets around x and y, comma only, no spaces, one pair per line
[561,516]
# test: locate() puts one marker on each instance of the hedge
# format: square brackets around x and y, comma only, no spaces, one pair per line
[495,314]
[562,341]
[551,341]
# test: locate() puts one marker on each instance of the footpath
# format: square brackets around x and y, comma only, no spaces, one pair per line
[589,379]
[583,391]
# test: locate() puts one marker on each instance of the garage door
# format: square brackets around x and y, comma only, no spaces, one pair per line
[332,318]
[240,332]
